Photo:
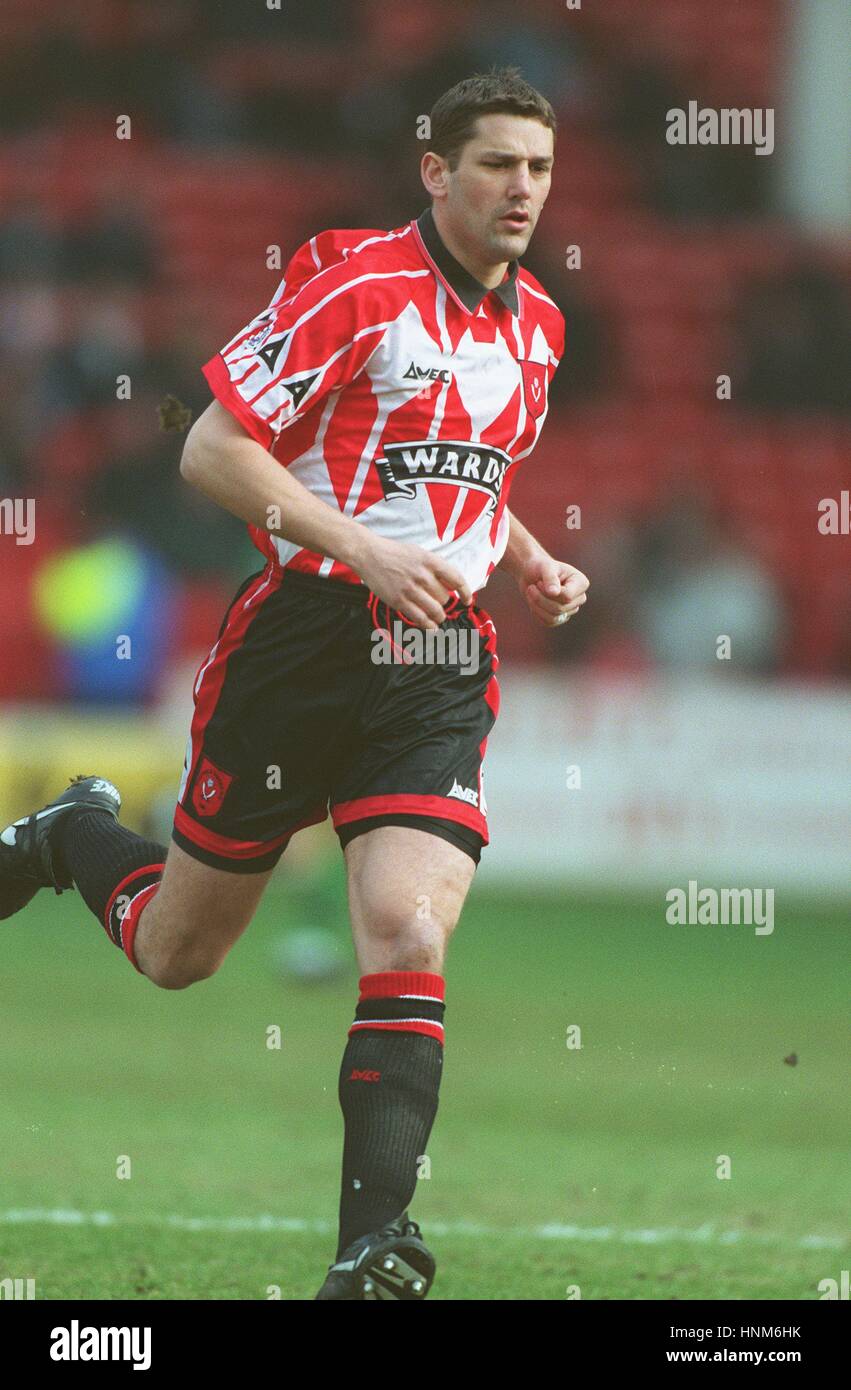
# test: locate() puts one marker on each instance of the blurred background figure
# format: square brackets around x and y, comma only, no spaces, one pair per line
[698,586]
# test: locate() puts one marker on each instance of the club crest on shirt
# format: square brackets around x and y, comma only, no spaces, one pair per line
[404,467]
[534,387]
[211,784]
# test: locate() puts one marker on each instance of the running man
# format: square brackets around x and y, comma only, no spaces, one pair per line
[367,425]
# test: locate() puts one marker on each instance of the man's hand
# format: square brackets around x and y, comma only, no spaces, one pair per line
[553,590]
[223,461]
[411,579]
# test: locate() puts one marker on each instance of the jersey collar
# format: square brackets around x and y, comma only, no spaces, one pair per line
[465,287]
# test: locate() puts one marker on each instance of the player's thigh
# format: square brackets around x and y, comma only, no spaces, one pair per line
[198,912]
[406,890]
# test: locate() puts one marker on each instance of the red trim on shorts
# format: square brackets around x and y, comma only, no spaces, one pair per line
[236,849]
[410,804]
[431,1030]
[483,622]
[395,984]
[123,885]
[214,667]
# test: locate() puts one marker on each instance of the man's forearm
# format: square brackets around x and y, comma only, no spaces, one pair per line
[522,547]
[234,471]
[238,474]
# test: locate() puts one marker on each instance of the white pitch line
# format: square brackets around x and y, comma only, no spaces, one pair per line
[702,1235]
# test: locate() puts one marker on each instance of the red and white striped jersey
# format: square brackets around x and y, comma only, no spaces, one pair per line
[396,388]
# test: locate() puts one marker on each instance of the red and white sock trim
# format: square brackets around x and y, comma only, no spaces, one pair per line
[130,922]
[121,925]
[403,984]
[411,1001]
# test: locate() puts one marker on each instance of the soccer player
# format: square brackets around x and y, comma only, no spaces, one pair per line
[367,425]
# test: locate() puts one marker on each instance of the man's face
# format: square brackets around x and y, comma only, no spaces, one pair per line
[495,194]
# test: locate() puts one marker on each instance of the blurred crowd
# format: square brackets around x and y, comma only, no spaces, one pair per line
[85,288]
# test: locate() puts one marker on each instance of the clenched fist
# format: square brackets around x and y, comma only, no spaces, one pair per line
[553,589]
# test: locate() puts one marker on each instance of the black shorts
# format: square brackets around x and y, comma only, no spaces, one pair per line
[295,716]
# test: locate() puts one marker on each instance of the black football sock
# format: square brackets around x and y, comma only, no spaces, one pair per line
[389,1084]
[115,871]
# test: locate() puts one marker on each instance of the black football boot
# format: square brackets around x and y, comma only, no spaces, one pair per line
[392,1263]
[28,857]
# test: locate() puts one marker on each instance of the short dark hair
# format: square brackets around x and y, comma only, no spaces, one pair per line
[454,115]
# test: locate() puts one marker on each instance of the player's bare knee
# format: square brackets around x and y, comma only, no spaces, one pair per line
[407,942]
[179,970]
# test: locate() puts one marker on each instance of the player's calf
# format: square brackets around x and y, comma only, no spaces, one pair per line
[406,891]
[193,921]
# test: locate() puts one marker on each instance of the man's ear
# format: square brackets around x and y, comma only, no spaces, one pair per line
[433,172]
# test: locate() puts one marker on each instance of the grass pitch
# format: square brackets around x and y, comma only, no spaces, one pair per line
[552,1169]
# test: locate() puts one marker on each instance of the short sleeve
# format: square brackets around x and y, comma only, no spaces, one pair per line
[298,350]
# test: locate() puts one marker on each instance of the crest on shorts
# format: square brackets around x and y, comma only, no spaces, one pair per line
[211,785]
[534,387]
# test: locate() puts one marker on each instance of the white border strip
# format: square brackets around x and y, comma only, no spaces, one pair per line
[702,1235]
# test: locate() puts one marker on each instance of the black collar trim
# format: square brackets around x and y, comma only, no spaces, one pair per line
[466,288]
